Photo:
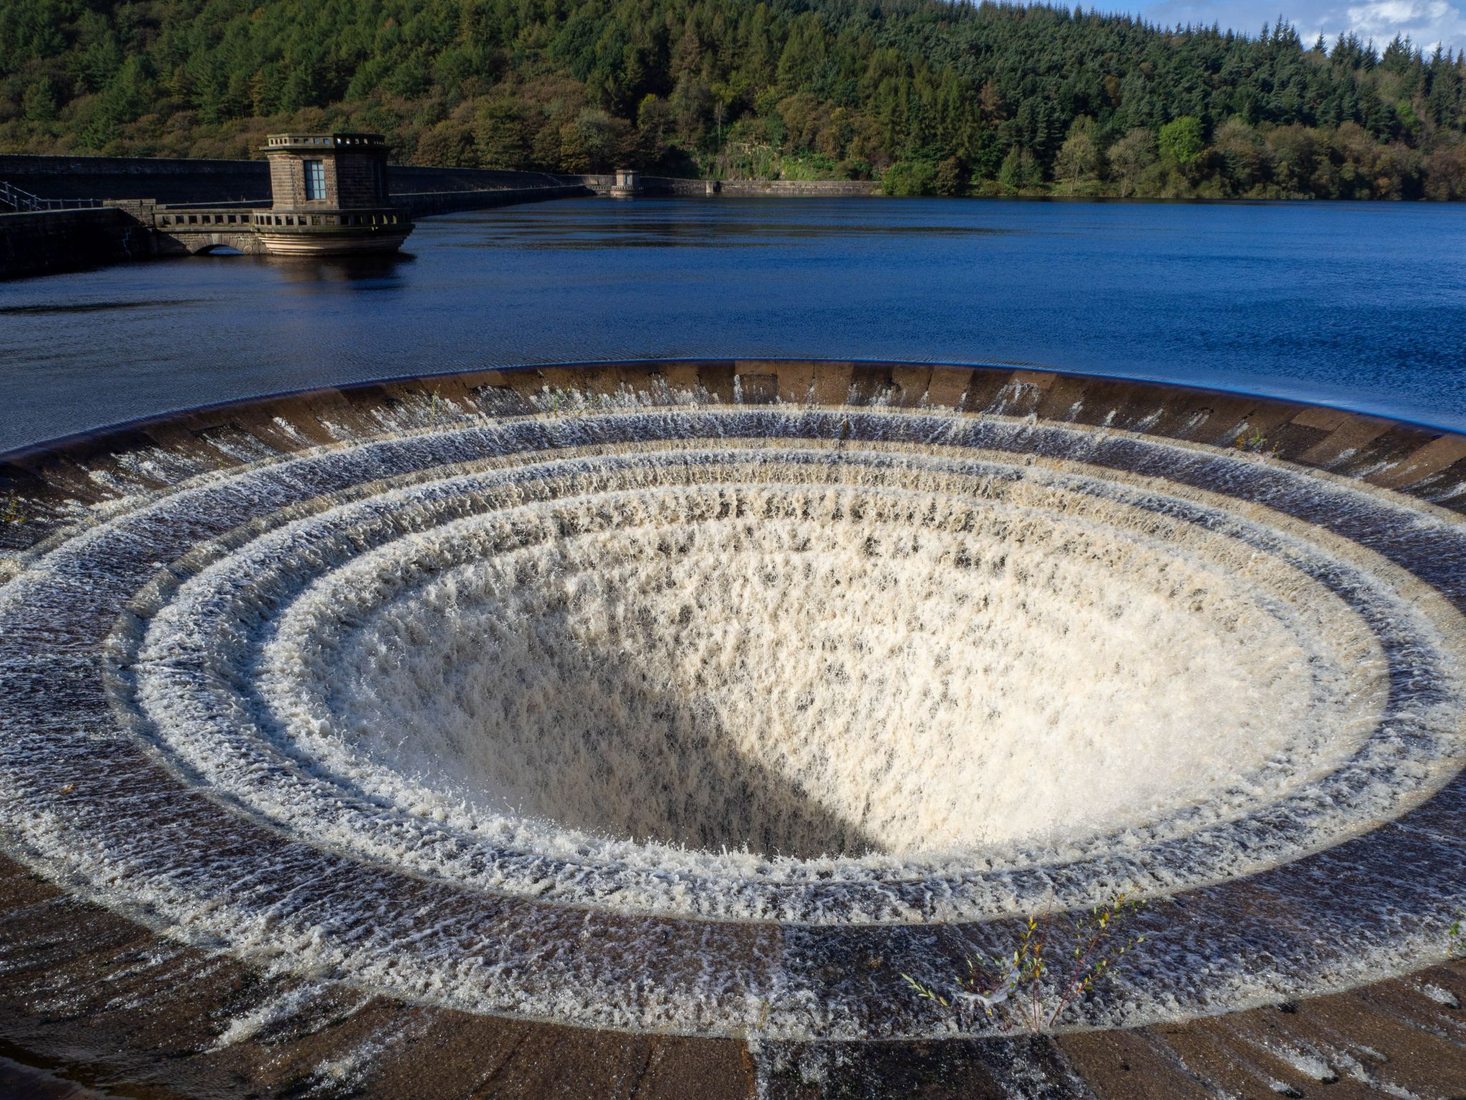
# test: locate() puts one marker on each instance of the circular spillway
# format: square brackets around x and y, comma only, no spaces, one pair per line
[818,671]
[665,708]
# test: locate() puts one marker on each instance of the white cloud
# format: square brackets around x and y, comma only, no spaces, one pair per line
[1426,22]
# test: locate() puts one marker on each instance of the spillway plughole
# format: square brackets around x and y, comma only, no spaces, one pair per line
[712,698]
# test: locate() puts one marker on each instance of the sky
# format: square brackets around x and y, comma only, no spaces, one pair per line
[1426,22]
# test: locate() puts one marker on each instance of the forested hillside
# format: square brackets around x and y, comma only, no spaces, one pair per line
[932,97]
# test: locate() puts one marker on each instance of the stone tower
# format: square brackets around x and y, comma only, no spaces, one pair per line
[329,196]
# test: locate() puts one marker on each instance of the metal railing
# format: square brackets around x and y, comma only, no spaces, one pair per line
[24,202]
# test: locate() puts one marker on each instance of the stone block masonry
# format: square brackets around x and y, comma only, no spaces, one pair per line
[205,181]
[425,203]
[211,181]
[798,189]
[167,181]
[782,189]
[69,240]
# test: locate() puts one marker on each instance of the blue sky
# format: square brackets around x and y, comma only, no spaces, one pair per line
[1427,22]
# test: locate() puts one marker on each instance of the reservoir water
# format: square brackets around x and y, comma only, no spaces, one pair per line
[1358,305]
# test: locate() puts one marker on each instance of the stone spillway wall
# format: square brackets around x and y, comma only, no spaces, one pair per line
[634,729]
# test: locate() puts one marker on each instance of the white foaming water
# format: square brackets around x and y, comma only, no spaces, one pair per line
[725,670]
[825,673]
[609,677]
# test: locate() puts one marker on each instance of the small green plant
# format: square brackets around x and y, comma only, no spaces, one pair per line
[1252,440]
[11,511]
[1034,987]
[1457,934]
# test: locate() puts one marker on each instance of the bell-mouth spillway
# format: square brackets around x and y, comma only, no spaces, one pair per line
[710,698]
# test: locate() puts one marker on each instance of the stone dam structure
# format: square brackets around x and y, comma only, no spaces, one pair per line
[328,197]
[646,729]
[61,213]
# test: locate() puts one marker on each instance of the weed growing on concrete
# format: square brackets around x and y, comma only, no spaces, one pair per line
[1252,440]
[441,410]
[1032,989]
[10,510]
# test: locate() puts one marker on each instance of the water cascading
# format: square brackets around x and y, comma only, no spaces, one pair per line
[709,699]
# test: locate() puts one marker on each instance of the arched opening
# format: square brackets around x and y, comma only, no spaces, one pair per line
[218,249]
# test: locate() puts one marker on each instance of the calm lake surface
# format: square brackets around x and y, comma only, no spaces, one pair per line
[1360,305]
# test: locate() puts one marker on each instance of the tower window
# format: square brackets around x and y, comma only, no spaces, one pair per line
[315,179]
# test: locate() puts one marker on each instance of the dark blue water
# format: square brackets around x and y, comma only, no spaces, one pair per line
[1362,305]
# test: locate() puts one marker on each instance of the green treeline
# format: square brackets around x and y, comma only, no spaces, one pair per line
[930,97]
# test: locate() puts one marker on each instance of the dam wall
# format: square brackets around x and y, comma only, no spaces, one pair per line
[34,243]
[206,181]
[168,181]
[422,204]
[67,240]
[782,189]
[407,178]
[798,189]
[682,187]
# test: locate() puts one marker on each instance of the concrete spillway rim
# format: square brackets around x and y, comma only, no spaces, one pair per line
[104,432]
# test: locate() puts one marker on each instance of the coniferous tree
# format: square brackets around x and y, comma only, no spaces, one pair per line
[938,97]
